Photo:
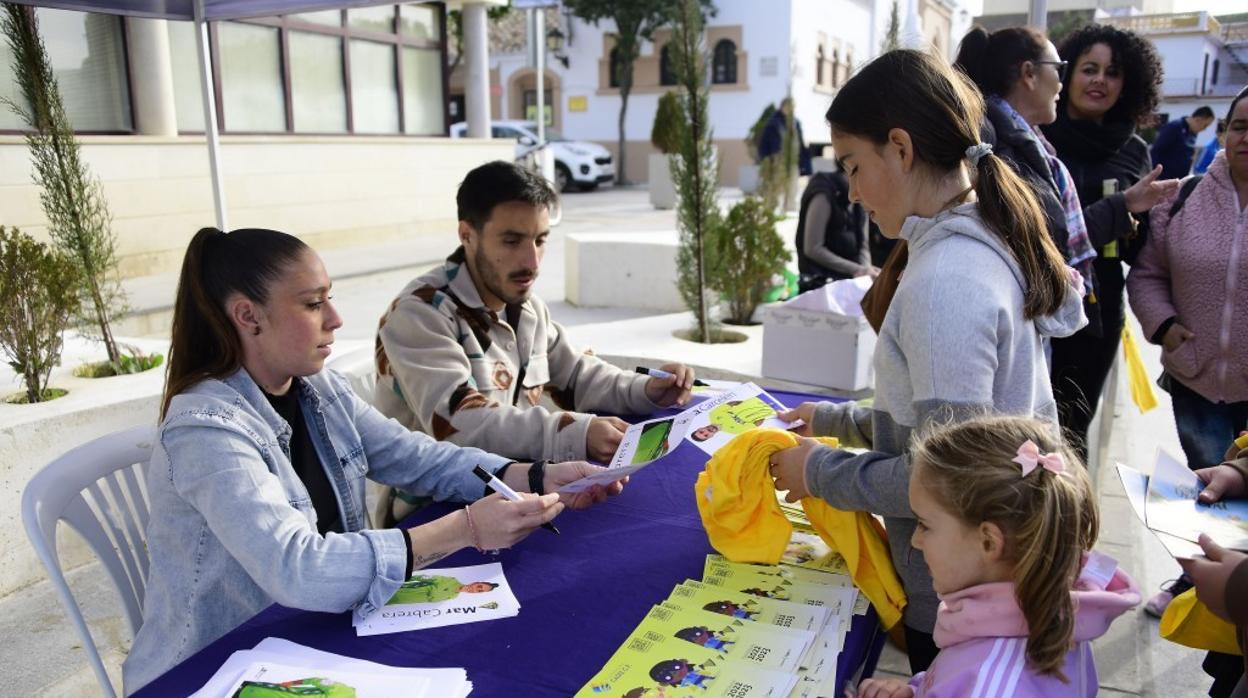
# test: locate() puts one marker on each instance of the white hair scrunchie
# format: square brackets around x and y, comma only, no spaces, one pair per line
[976,153]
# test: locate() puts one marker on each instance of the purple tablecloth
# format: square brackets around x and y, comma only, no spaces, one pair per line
[581,594]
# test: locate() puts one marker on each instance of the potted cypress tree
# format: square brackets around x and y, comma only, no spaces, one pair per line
[665,137]
[72,198]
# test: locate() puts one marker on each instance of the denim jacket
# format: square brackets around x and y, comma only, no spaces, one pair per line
[232,527]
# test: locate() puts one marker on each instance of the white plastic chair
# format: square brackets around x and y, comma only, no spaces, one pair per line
[360,370]
[98,489]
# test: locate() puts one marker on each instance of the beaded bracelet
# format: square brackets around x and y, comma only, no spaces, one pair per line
[472,530]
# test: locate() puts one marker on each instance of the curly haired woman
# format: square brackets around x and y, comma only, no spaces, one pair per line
[1113,86]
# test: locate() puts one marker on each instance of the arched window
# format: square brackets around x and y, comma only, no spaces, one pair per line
[667,71]
[836,67]
[819,60]
[614,68]
[724,63]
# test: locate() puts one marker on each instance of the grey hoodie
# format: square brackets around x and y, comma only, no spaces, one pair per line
[953,344]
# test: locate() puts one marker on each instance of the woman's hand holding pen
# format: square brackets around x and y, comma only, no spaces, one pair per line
[497,523]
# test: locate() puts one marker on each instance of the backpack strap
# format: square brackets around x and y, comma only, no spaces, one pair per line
[1184,192]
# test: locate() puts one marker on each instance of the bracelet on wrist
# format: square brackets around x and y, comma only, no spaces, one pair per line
[537,477]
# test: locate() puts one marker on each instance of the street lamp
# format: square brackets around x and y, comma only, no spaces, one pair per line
[554,44]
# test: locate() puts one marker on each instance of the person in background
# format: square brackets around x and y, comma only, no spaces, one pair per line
[1020,75]
[832,237]
[1211,149]
[1113,85]
[771,143]
[964,334]
[1189,288]
[1176,143]
[1007,520]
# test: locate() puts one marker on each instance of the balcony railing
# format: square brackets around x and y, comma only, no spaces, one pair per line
[1235,34]
[1190,87]
[1177,23]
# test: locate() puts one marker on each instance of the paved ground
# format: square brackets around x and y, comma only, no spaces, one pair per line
[43,656]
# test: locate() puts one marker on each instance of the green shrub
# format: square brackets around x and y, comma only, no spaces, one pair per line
[134,362]
[38,294]
[748,254]
[668,121]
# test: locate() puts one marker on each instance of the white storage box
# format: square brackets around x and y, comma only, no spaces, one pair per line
[817,347]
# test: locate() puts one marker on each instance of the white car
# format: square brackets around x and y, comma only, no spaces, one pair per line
[579,164]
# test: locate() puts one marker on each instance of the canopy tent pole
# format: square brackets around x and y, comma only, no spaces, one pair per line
[210,115]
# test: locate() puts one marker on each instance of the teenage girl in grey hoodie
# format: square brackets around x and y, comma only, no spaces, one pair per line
[964,333]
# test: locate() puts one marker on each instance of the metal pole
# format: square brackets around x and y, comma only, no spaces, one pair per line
[210,115]
[477,61]
[1038,15]
[539,40]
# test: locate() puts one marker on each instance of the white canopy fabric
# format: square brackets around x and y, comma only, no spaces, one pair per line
[213,11]
[200,12]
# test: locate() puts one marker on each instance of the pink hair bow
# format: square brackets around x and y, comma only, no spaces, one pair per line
[1030,457]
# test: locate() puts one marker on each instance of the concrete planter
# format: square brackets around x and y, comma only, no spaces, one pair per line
[662,188]
[623,269]
[33,435]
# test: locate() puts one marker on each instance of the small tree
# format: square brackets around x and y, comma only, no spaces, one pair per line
[72,199]
[665,134]
[635,22]
[38,293]
[694,170]
[749,253]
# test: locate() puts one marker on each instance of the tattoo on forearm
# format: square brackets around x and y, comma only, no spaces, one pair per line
[422,560]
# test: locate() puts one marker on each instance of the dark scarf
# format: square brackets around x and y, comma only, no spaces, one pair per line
[1081,139]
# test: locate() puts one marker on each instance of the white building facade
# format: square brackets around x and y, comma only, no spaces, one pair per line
[1205,61]
[333,127]
[760,52]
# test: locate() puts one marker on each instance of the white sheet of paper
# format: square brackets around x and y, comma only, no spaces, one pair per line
[1171,507]
[436,682]
[1135,484]
[400,615]
[711,424]
[309,679]
[448,682]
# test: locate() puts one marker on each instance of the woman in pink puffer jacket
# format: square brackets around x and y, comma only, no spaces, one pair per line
[1189,288]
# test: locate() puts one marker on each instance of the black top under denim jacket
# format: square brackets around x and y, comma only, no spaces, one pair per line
[1095,153]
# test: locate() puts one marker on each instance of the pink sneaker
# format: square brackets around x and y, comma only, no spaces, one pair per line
[1156,606]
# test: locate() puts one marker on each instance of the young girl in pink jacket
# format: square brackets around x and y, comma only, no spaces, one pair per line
[1006,522]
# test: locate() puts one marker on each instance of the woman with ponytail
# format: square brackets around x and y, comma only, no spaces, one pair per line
[964,333]
[256,482]
[1018,72]
[1006,521]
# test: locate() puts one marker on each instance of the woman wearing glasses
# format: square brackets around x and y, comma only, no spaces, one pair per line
[1020,75]
[1112,88]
